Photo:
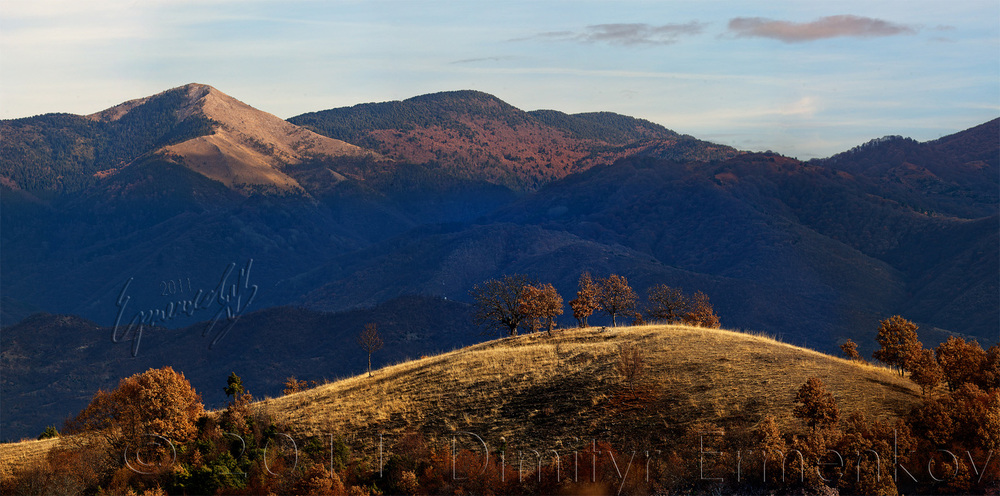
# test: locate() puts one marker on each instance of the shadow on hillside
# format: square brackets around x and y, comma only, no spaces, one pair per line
[894,387]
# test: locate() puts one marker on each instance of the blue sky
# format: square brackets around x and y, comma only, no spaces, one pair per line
[806,79]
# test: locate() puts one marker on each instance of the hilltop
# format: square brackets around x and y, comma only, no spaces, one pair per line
[560,392]
[549,390]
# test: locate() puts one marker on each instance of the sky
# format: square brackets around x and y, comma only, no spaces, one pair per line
[805,79]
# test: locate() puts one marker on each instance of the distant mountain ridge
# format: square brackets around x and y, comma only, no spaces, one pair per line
[479,136]
[956,175]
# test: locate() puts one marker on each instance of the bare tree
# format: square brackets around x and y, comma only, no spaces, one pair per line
[498,303]
[615,296]
[370,341]
[666,303]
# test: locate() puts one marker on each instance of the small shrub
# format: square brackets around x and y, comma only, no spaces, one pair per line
[49,432]
[630,364]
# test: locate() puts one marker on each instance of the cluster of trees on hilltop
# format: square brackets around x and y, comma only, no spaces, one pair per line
[517,301]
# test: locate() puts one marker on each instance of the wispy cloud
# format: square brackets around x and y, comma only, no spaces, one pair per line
[499,58]
[826,27]
[627,33]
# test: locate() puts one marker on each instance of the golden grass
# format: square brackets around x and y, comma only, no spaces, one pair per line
[564,387]
[15,456]
[563,390]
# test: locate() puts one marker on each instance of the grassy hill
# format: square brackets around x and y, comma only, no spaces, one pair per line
[560,392]
[549,390]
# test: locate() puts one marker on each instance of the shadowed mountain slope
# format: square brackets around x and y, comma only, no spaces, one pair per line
[264,347]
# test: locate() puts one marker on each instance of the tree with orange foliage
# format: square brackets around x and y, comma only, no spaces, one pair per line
[541,304]
[817,406]
[850,350]
[925,371]
[157,401]
[370,341]
[961,361]
[615,296]
[586,299]
[700,312]
[152,405]
[897,338]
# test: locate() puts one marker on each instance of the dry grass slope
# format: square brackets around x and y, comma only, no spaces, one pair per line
[552,390]
[563,390]
[14,456]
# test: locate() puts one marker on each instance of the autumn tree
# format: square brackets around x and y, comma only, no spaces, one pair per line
[850,350]
[989,376]
[925,371]
[157,402]
[498,303]
[666,304]
[615,296]
[700,312]
[816,405]
[586,299]
[961,361]
[540,305]
[897,338]
[370,341]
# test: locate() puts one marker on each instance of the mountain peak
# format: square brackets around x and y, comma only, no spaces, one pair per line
[190,94]
[237,145]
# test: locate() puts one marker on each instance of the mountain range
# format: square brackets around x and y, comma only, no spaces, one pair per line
[358,209]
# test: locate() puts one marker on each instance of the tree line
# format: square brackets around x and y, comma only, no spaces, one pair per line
[515,302]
